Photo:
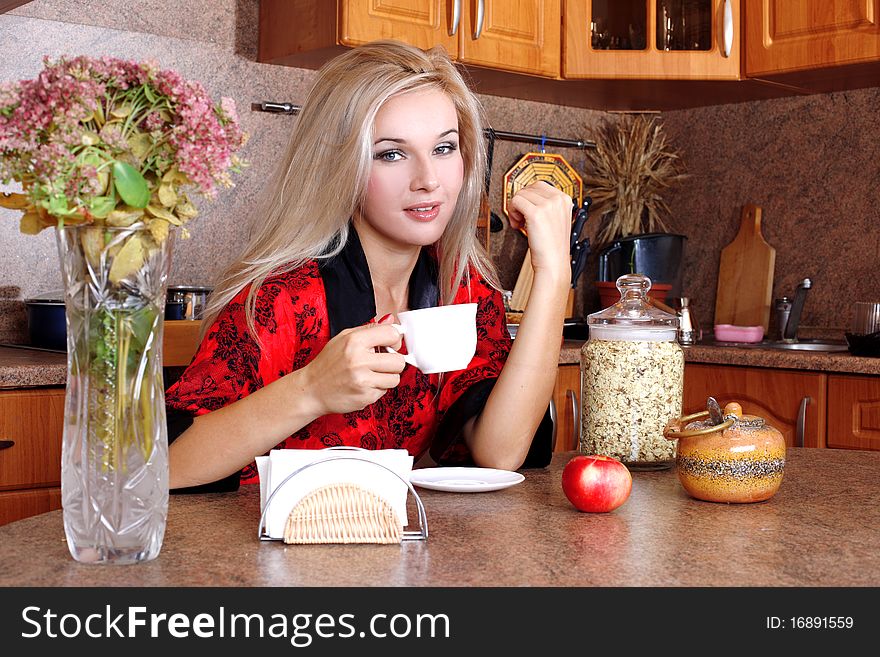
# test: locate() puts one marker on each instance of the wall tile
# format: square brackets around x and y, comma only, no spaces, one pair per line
[812,164]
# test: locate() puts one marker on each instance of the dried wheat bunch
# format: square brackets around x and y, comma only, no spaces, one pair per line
[628,173]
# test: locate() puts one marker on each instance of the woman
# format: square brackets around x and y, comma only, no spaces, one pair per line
[374,214]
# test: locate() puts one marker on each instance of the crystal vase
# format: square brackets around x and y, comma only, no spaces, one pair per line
[114,467]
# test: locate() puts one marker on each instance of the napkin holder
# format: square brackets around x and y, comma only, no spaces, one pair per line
[344,513]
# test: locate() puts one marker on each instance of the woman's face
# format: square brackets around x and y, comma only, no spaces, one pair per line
[417,169]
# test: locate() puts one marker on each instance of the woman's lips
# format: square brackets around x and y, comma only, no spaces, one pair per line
[426,212]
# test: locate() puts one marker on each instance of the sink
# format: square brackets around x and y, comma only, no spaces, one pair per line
[807,345]
[829,346]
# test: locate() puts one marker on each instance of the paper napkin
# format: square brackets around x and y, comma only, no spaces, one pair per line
[280,463]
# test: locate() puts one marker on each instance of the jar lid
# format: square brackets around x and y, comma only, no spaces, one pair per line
[634,317]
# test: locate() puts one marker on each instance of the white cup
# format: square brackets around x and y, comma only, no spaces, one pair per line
[440,339]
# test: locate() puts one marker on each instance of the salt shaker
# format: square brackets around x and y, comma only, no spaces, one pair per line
[688,331]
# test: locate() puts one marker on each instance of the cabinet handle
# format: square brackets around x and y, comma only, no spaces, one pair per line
[575,419]
[554,420]
[481,10]
[801,423]
[456,17]
[727,29]
[6,444]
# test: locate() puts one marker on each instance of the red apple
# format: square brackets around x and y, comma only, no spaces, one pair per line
[596,483]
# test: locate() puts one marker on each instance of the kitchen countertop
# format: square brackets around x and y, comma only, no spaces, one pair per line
[820,529]
[757,357]
[25,368]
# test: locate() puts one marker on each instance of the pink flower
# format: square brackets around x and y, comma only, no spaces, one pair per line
[79,111]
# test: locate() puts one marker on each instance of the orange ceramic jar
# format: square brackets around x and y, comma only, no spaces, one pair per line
[740,460]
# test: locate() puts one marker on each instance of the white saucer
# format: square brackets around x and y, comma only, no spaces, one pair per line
[464,480]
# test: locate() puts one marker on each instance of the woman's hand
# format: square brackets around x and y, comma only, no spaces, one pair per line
[349,374]
[545,212]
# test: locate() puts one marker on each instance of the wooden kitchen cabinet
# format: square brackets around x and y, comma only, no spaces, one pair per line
[180,341]
[813,45]
[21,504]
[566,397]
[30,467]
[651,39]
[522,37]
[784,37]
[792,401]
[9,5]
[853,412]
[422,23]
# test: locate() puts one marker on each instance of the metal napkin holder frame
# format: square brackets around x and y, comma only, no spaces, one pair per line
[406,535]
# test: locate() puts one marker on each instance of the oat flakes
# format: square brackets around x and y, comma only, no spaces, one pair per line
[629,390]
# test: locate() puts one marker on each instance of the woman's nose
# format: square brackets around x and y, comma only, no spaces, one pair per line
[425,176]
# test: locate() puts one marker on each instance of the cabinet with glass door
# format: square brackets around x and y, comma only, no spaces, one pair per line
[651,39]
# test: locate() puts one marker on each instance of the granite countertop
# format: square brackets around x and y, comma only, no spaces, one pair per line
[820,529]
[24,368]
[756,357]
[28,368]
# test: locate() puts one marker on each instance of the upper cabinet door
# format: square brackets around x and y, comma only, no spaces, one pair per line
[512,35]
[421,23]
[652,39]
[784,36]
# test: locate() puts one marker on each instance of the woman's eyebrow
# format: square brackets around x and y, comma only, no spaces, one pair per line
[400,140]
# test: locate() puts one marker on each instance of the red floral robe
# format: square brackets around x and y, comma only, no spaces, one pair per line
[298,312]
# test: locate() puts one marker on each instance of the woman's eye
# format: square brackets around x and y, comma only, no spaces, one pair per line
[388,156]
[445,149]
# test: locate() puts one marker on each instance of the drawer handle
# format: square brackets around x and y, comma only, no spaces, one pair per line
[481,11]
[575,420]
[801,422]
[456,17]
[727,29]
[6,444]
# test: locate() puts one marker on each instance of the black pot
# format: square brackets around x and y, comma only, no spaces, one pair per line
[47,324]
[186,301]
[659,256]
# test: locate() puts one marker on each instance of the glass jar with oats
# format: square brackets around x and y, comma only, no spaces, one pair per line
[632,376]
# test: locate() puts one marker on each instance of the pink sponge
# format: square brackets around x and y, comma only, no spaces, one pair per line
[731,333]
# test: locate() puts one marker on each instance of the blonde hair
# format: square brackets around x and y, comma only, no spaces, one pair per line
[325,171]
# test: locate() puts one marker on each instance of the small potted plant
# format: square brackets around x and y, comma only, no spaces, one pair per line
[628,174]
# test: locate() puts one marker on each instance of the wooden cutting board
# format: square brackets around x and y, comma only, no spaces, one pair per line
[745,275]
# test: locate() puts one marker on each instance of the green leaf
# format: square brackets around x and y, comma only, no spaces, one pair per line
[89,156]
[129,259]
[101,206]
[162,213]
[131,185]
[122,111]
[140,143]
[57,206]
[148,92]
[89,138]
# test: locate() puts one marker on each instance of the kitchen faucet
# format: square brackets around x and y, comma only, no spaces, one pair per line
[797,306]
